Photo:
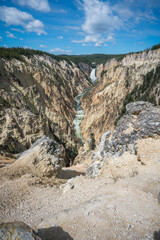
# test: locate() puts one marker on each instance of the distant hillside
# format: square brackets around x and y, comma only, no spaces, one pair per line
[92,60]
[9,53]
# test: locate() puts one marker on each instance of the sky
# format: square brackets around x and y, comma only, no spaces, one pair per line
[80,26]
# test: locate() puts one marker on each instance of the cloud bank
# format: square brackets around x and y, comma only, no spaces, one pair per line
[13,16]
[102,19]
[99,17]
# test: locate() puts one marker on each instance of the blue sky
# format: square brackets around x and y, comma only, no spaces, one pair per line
[80,26]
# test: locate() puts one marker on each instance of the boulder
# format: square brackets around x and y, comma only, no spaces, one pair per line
[45,158]
[17,231]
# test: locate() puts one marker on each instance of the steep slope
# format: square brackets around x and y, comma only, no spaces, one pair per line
[37,98]
[136,131]
[136,77]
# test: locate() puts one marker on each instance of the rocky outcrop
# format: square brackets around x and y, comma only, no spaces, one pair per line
[141,122]
[135,78]
[45,158]
[135,108]
[36,99]
[85,68]
[17,231]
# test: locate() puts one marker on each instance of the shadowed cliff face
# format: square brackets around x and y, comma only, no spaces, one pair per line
[136,77]
[37,98]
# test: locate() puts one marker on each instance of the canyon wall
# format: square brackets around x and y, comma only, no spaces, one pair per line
[136,77]
[37,97]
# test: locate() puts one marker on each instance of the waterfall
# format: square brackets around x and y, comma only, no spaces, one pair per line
[80,112]
[93,75]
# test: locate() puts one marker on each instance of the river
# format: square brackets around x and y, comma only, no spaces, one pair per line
[80,112]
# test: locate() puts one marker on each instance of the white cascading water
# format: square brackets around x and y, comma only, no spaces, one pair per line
[93,75]
[80,112]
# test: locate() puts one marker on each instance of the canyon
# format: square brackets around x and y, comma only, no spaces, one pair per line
[80,147]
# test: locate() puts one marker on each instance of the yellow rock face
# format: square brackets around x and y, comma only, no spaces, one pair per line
[117,81]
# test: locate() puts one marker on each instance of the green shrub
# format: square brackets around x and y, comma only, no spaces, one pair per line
[10,148]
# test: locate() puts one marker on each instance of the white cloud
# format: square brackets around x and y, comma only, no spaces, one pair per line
[84,44]
[100,21]
[78,41]
[0,39]
[12,16]
[21,39]
[91,38]
[57,10]
[26,47]
[81,33]
[97,39]
[131,12]
[123,11]
[97,45]
[103,18]
[4,45]
[43,46]
[10,35]
[60,37]
[35,26]
[39,5]
[99,17]
[61,51]
[73,27]
[110,38]
[17,30]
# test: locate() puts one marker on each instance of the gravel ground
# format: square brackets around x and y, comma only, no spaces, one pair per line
[86,208]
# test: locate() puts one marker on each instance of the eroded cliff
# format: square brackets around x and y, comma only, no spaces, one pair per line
[136,77]
[36,99]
